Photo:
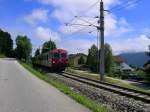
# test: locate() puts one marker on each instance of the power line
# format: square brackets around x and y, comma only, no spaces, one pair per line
[89,8]
[82,29]
[115,7]
[126,5]
[100,28]
[77,24]
[85,26]
[129,4]
[86,21]
[85,11]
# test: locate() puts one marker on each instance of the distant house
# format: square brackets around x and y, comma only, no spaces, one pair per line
[74,59]
[121,65]
[125,67]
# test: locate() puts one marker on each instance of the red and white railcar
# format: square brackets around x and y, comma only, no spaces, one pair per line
[56,59]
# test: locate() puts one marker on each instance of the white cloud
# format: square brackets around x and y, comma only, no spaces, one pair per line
[76,45]
[40,15]
[138,44]
[69,8]
[79,29]
[46,34]
[116,26]
[65,10]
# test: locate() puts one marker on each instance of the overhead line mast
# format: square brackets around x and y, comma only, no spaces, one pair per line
[102,42]
[100,28]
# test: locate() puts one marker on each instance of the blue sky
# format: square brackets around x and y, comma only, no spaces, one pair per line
[41,20]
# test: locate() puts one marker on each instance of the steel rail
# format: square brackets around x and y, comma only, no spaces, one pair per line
[132,93]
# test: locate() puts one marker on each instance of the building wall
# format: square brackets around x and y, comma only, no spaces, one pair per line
[74,60]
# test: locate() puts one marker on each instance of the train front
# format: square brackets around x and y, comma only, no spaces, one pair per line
[59,59]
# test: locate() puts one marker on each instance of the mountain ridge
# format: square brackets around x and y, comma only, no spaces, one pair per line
[137,59]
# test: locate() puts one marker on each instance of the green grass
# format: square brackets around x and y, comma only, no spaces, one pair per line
[110,80]
[92,105]
[2,56]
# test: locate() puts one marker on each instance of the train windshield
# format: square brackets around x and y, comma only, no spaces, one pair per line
[56,55]
[60,55]
[63,55]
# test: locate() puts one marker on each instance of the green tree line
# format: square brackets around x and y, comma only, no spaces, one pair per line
[23,48]
[47,46]
[6,44]
[93,58]
[147,65]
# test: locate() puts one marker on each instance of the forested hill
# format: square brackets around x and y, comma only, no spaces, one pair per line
[135,59]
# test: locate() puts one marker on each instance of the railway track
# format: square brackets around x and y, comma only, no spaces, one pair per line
[131,93]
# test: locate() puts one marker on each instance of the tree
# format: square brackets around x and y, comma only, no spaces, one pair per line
[81,60]
[6,43]
[24,47]
[147,65]
[108,58]
[48,46]
[37,52]
[93,61]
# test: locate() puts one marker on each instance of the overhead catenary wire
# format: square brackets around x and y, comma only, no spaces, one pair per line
[89,8]
[124,5]
[77,25]
[81,30]
[90,25]
[119,5]
[86,21]
[84,27]
[84,12]
[87,25]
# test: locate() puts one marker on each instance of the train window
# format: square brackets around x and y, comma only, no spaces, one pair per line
[56,55]
[63,55]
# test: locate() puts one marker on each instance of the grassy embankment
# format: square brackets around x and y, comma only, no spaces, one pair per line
[2,56]
[115,81]
[92,105]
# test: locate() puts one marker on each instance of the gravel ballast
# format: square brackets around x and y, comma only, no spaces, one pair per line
[114,101]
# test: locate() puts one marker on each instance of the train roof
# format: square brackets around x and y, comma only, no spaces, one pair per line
[59,50]
[53,51]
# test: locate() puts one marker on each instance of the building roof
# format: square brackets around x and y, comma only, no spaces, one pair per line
[76,55]
[125,66]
